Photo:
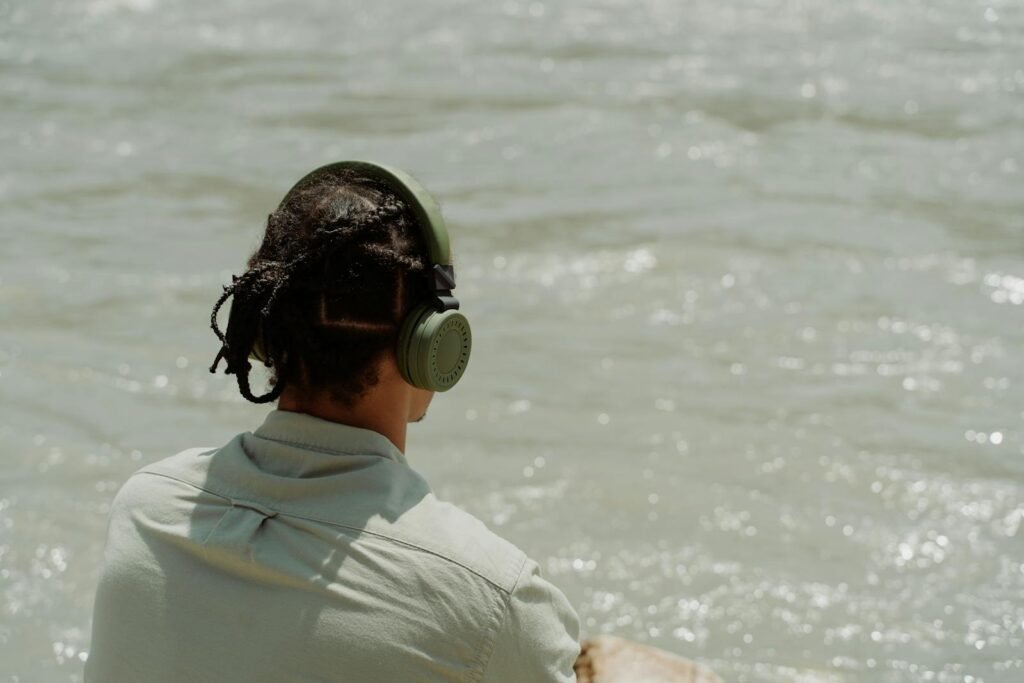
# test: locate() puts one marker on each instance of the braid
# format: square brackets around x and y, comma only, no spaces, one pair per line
[345,243]
[246,391]
[242,332]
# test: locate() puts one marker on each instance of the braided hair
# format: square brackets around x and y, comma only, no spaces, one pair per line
[340,264]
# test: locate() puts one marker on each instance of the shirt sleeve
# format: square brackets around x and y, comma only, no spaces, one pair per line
[538,640]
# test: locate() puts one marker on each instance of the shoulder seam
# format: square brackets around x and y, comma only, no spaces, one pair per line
[502,589]
[487,653]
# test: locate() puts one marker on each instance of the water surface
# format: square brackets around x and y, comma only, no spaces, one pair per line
[746,279]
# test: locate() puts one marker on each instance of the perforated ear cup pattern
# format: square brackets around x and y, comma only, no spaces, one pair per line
[434,347]
[450,344]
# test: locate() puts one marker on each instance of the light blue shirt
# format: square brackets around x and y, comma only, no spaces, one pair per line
[311,551]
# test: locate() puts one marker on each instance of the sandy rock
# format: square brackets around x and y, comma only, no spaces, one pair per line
[607,659]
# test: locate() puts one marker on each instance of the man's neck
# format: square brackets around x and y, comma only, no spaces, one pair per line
[380,410]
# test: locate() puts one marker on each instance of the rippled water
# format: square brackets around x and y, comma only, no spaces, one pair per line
[747,281]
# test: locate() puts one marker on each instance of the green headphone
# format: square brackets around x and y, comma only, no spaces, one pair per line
[435,339]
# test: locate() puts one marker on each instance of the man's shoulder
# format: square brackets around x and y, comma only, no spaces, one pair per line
[187,467]
[463,539]
[181,463]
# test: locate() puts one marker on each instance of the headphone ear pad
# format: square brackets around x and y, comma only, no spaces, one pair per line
[258,352]
[433,348]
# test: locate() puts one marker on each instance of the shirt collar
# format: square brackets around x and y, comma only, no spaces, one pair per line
[304,430]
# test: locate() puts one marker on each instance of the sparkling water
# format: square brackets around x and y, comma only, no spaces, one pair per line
[746,280]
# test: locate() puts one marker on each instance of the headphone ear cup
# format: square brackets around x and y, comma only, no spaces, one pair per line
[404,353]
[258,352]
[434,347]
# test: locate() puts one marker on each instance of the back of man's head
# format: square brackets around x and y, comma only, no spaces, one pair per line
[324,295]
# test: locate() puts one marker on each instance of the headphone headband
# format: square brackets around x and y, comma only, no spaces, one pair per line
[422,204]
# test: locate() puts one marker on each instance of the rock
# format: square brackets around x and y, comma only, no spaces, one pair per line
[607,659]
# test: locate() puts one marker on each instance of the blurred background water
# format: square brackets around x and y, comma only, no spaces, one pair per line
[747,282]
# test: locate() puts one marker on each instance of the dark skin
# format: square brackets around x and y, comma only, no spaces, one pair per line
[387,407]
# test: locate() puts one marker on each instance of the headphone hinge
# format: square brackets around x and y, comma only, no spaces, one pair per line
[447,302]
[443,278]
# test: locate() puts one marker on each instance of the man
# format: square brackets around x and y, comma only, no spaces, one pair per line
[309,550]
